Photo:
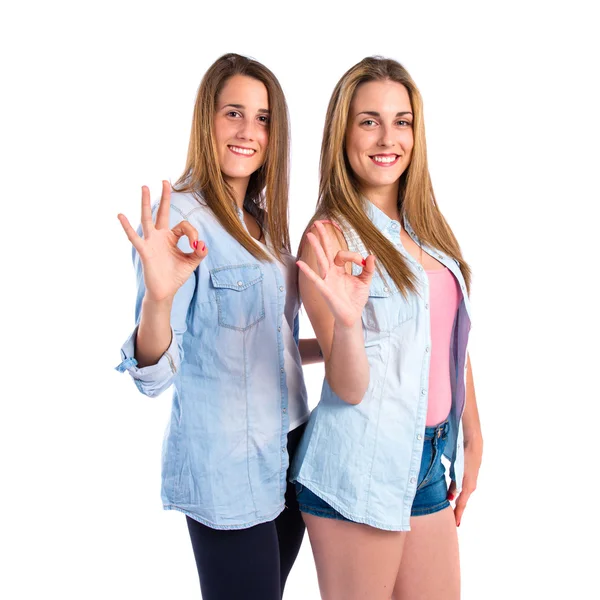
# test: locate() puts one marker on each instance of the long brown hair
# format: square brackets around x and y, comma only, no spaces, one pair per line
[267,194]
[339,193]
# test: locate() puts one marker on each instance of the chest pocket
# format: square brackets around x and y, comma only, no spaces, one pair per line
[386,307]
[239,295]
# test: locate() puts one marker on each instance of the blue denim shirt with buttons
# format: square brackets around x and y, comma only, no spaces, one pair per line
[225,455]
[364,459]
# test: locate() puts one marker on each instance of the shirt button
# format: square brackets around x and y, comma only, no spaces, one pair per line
[279,329]
[420,268]
[413,480]
[281,288]
[282,369]
[283,449]
[240,283]
[419,437]
[386,289]
[427,349]
[426,306]
[284,410]
[423,392]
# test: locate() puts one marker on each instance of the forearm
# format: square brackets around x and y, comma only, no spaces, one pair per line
[310,351]
[154,332]
[347,368]
[470,419]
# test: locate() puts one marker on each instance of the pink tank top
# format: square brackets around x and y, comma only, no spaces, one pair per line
[444,298]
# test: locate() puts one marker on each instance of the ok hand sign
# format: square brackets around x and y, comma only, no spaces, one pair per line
[345,294]
[166,268]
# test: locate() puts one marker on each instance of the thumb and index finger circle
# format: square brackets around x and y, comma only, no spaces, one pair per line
[344,256]
[184,228]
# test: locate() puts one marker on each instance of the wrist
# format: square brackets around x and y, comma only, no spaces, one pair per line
[154,305]
[346,329]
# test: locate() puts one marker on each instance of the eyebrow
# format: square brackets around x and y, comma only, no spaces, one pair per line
[373,113]
[242,107]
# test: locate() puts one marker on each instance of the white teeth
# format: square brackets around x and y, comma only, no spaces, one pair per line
[247,151]
[384,159]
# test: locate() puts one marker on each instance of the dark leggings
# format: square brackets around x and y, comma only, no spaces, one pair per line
[253,563]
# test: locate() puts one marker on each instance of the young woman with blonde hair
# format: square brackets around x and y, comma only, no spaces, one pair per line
[216,316]
[386,288]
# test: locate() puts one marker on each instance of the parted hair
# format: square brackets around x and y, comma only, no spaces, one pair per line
[339,193]
[267,194]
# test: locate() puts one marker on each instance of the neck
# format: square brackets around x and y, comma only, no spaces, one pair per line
[238,185]
[385,199]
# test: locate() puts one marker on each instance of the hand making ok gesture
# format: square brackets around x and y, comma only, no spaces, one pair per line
[166,268]
[345,294]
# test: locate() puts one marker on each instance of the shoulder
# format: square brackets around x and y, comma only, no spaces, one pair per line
[328,227]
[187,204]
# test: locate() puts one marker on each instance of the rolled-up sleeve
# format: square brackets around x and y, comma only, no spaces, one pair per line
[152,380]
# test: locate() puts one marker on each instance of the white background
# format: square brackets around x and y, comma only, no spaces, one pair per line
[98,100]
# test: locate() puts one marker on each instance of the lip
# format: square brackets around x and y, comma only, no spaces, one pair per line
[385,164]
[233,150]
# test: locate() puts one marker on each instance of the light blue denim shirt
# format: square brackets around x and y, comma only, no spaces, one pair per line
[364,459]
[225,455]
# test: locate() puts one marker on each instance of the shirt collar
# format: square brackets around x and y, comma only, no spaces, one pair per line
[391,229]
[387,226]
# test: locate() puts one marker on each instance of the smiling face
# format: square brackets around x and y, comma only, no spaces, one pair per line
[241,128]
[379,135]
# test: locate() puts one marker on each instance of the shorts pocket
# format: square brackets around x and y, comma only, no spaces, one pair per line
[239,295]
[429,455]
[436,449]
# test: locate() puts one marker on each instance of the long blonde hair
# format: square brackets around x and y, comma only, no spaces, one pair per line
[267,194]
[339,193]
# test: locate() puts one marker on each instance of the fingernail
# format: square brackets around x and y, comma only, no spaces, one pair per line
[203,247]
[195,244]
[458,524]
[364,262]
[450,496]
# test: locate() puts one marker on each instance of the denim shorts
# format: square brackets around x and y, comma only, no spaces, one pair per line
[431,493]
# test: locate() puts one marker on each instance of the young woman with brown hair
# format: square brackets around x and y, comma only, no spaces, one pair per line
[386,287]
[217,316]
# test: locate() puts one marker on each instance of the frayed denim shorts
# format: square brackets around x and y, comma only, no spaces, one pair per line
[432,490]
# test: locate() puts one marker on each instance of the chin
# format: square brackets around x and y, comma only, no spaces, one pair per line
[238,172]
[388,179]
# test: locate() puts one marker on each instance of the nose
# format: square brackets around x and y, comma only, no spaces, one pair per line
[246,130]
[385,139]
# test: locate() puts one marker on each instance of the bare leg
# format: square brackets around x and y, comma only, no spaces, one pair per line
[430,567]
[354,561]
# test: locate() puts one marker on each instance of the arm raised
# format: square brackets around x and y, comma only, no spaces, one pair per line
[334,300]
[165,287]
